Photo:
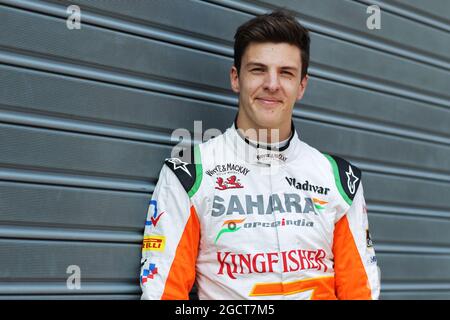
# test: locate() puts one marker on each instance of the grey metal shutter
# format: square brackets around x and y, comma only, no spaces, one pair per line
[86,118]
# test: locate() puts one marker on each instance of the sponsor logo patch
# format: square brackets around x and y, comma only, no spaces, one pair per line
[154,243]
[149,273]
[351,180]
[230,183]
[235,264]
[178,164]
[279,223]
[231,225]
[319,204]
[229,168]
[261,204]
[307,186]
[369,239]
[152,213]
[271,156]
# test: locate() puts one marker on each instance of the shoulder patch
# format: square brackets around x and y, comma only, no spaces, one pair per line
[189,173]
[347,177]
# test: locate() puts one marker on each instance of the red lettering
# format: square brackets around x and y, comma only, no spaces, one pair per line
[263,265]
[311,257]
[283,255]
[293,259]
[302,258]
[223,264]
[271,259]
[320,255]
[246,260]
[233,261]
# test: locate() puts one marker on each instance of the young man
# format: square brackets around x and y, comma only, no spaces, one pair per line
[258,213]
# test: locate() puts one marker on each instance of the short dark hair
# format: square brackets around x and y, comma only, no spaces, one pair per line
[278,26]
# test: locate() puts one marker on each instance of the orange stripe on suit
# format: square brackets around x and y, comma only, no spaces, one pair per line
[350,275]
[182,272]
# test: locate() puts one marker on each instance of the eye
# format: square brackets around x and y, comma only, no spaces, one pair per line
[256,70]
[288,73]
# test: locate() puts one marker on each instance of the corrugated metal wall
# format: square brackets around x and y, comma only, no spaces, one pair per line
[86,118]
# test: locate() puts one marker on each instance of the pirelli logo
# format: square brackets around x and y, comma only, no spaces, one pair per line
[154,243]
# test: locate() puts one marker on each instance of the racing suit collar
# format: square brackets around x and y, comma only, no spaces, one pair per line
[253,152]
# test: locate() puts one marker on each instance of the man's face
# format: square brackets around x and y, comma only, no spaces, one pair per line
[268,84]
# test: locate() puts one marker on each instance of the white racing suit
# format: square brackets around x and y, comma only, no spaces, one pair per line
[246,222]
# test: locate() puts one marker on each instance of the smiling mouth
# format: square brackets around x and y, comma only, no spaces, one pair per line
[268,101]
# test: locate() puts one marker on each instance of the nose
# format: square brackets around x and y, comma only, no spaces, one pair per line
[272,81]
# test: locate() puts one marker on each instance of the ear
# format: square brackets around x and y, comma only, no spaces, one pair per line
[302,87]
[234,79]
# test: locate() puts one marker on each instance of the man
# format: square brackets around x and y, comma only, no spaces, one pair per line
[258,213]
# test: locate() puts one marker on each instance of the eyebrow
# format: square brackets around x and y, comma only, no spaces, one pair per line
[258,64]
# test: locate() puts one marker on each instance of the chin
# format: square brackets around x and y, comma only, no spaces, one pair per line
[268,121]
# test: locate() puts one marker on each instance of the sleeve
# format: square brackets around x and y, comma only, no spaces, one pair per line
[171,238]
[357,275]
